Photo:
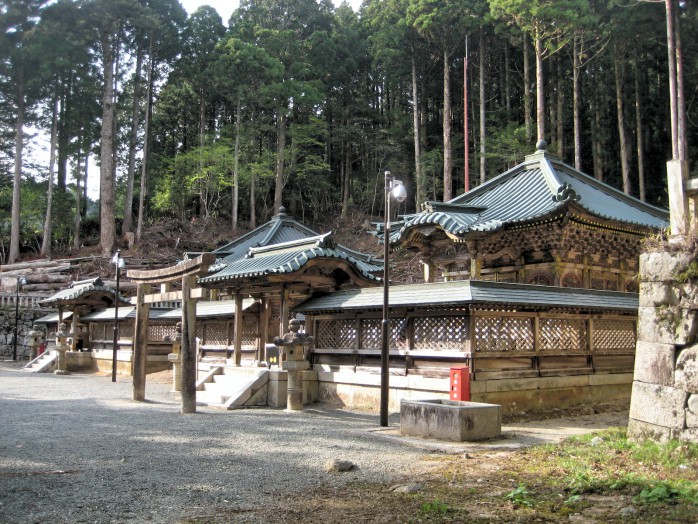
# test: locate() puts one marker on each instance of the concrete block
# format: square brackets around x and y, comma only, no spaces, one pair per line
[572,381]
[310,387]
[450,419]
[658,405]
[277,389]
[515,384]
[666,325]
[687,370]
[654,363]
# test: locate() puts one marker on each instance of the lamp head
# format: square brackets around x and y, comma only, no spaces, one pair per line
[399,192]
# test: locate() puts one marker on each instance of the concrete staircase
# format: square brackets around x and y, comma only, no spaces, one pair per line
[232,388]
[43,363]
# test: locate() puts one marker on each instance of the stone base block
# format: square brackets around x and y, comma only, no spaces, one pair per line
[639,431]
[654,363]
[450,419]
[658,405]
[687,370]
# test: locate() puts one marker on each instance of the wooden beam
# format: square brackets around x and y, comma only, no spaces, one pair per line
[196,266]
[196,293]
[237,346]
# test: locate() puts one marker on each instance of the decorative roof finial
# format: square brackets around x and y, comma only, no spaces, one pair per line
[282,211]
[542,145]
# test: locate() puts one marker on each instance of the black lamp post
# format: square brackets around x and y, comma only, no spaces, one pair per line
[119,263]
[395,189]
[21,281]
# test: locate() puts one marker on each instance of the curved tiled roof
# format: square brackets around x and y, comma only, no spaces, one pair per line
[80,290]
[536,188]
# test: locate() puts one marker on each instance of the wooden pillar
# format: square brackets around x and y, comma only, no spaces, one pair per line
[263,328]
[140,342]
[283,321]
[74,329]
[188,351]
[237,345]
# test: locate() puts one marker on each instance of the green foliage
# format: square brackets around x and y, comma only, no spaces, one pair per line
[435,507]
[520,496]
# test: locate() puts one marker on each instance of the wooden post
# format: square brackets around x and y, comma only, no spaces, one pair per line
[238,329]
[283,321]
[188,351]
[74,329]
[140,342]
[263,328]
[677,176]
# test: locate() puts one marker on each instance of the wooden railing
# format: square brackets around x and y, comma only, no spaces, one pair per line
[25,301]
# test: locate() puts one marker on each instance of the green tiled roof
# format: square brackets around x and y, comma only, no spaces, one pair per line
[538,187]
[473,293]
[289,257]
[81,290]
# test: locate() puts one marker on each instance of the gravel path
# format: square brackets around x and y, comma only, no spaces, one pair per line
[77,449]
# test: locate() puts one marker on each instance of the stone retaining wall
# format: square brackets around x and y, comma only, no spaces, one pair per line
[25,320]
[664,403]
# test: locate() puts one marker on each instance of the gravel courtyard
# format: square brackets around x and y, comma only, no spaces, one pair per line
[77,449]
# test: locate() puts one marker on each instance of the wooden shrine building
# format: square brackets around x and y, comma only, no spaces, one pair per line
[542,222]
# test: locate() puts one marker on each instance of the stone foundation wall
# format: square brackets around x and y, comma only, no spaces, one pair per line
[664,403]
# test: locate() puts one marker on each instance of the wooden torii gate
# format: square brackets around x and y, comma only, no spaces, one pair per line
[187,272]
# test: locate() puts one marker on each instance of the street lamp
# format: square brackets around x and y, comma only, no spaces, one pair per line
[394,189]
[21,281]
[119,263]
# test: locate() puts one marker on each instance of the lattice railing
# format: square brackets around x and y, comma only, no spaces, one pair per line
[339,333]
[503,334]
[156,332]
[371,333]
[558,334]
[441,333]
[215,333]
[614,335]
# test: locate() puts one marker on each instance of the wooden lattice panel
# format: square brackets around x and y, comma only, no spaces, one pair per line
[249,332]
[614,335]
[160,332]
[440,333]
[558,334]
[125,331]
[503,334]
[200,330]
[216,333]
[97,331]
[371,333]
[333,334]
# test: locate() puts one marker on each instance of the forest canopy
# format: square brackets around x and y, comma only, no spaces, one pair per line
[303,104]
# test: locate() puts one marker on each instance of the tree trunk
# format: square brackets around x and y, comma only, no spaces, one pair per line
[466,134]
[236,166]
[540,91]
[507,79]
[64,121]
[673,96]
[106,171]
[622,135]
[46,241]
[280,153]
[638,127]
[146,146]
[680,93]
[596,142]
[16,194]
[527,90]
[483,116]
[420,185]
[78,204]
[560,117]
[576,104]
[448,164]
[127,226]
